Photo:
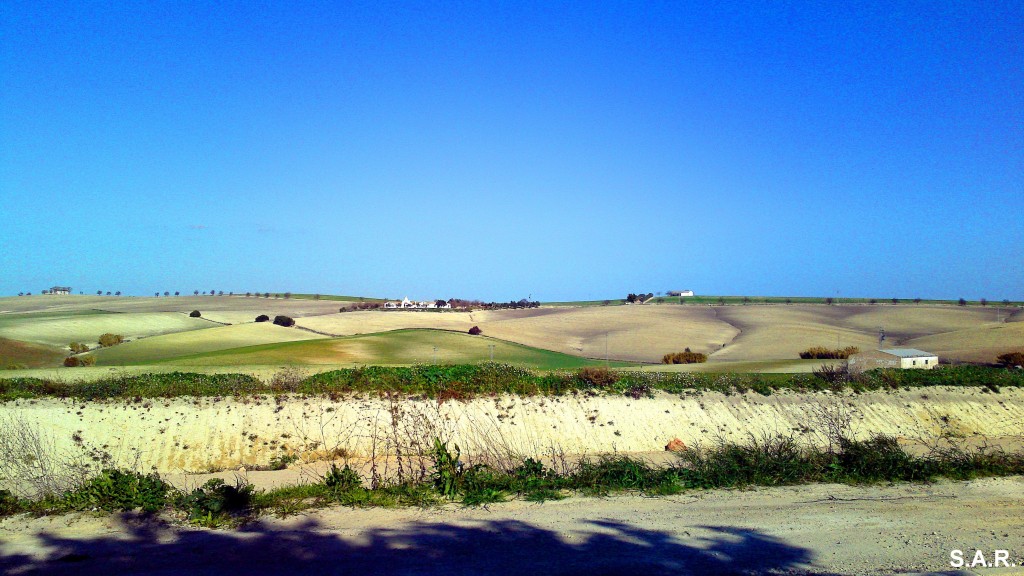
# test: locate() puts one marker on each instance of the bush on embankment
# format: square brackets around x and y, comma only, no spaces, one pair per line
[766,461]
[464,381]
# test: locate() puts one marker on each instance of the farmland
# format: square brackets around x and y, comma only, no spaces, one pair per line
[736,337]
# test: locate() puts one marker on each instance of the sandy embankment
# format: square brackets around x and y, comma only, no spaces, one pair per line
[204,434]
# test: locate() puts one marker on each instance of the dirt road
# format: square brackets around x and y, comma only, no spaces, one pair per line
[820,529]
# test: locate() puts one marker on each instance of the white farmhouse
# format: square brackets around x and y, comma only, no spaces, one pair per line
[892,358]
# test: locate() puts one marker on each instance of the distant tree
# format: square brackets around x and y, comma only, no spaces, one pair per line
[99,292]
[157,294]
[983,302]
[789,300]
[107,340]
[108,292]
[29,293]
[917,300]
[118,293]
[195,292]
[263,318]
[21,293]
[1006,302]
[248,294]
[212,292]
[721,300]
[631,298]
[231,293]
[284,321]
[166,293]
[746,300]
[220,293]
[194,314]
[606,302]
[961,302]
[266,294]
[440,303]
[829,300]
[78,347]
[475,331]
[287,295]
[895,300]
[872,301]
[316,296]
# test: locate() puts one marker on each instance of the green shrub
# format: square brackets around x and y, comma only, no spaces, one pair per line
[880,458]
[116,490]
[447,469]
[475,331]
[342,479]
[284,321]
[215,501]
[263,318]
[194,314]
[9,503]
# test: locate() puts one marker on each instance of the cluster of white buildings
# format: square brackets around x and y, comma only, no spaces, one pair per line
[411,304]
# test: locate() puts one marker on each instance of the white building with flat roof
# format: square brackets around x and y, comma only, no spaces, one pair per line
[910,358]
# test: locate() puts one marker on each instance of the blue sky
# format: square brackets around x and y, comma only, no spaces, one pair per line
[514,149]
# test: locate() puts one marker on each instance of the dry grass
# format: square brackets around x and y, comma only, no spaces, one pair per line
[771,332]
[23,354]
[636,333]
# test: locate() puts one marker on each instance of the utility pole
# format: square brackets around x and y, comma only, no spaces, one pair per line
[491,346]
[435,354]
[606,350]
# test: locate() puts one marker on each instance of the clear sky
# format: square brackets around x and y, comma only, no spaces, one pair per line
[506,150]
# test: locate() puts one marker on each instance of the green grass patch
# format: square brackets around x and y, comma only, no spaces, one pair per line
[465,381]
[399,347]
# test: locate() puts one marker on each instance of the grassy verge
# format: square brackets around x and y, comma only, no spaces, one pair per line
[464,381]
[769,461]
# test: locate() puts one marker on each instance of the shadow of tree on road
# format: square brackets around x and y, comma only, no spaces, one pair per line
[501,547]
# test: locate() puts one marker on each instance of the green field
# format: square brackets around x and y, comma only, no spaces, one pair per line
[158,348]
[400,347]
[85,326]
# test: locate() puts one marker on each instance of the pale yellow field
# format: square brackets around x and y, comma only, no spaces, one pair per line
[634,333]
[773,332]
[975,345]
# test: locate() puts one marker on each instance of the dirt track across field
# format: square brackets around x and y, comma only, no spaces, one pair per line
[818,529]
